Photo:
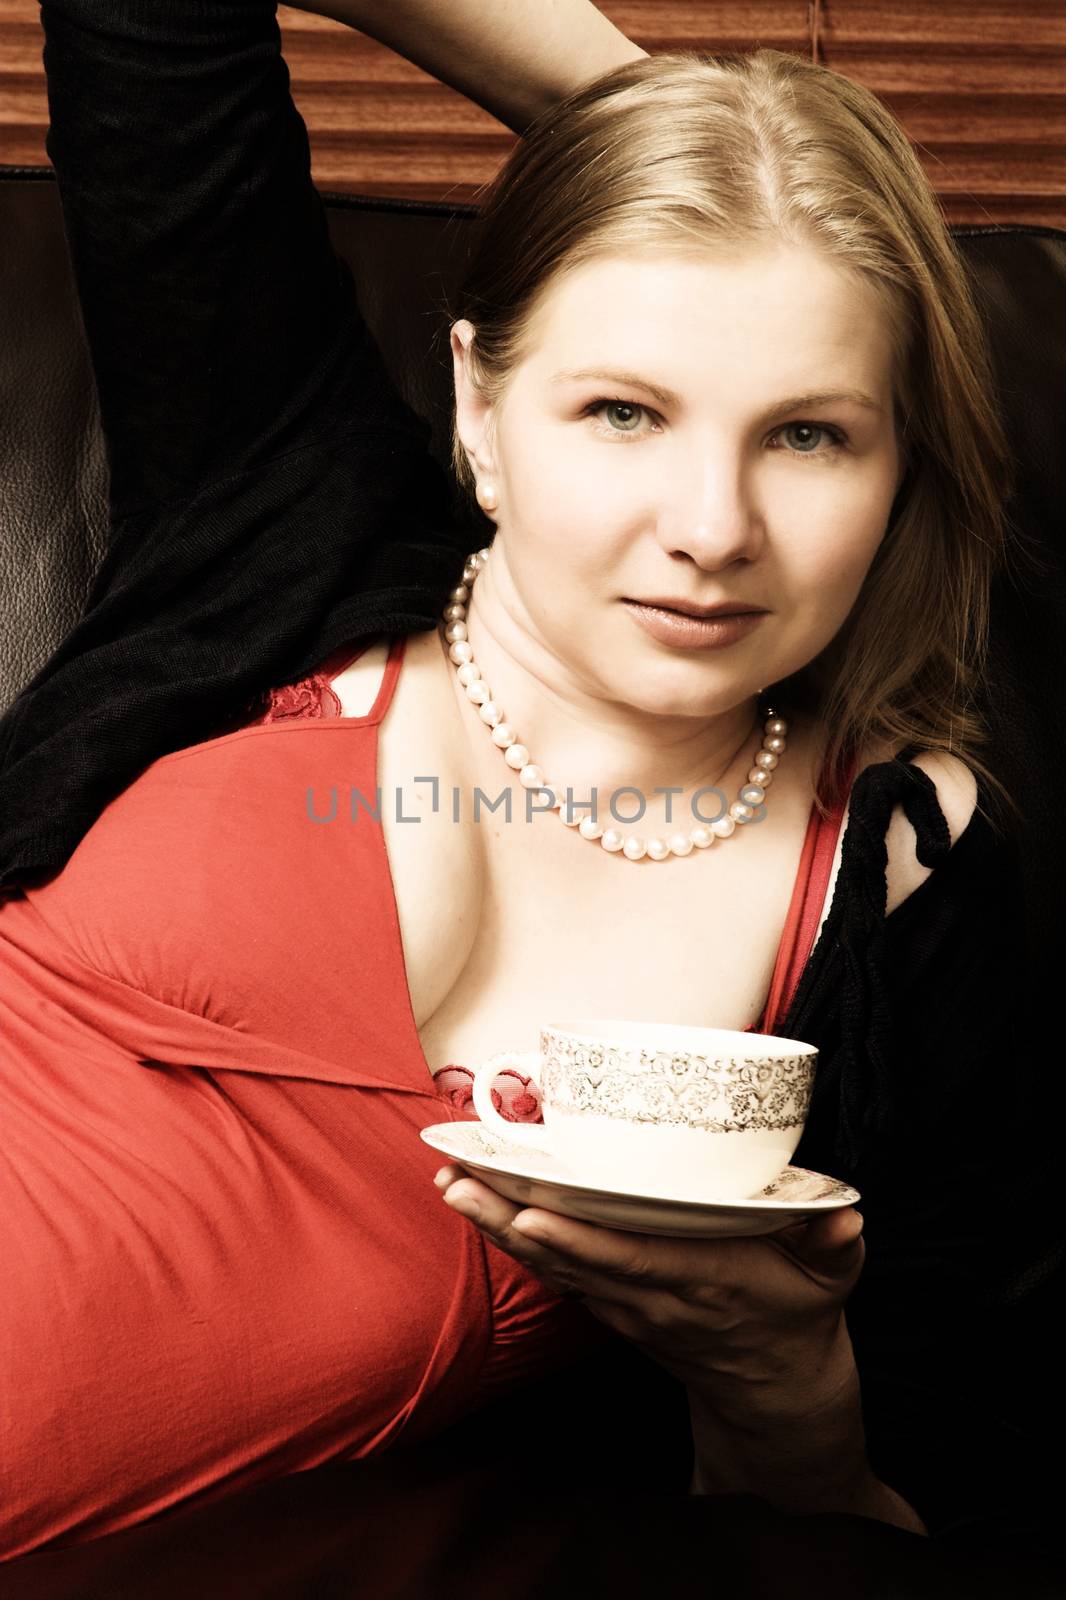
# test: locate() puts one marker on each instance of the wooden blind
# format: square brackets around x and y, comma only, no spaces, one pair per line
[979,85]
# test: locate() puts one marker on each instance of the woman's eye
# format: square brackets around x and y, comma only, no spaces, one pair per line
[618,419]
[805,436]
[621,416]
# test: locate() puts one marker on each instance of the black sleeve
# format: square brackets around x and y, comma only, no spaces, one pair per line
[954,1320]
[272,495]
[221,325]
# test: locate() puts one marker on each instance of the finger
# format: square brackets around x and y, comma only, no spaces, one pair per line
[622,1255]
[646,1275]
[475,1200]
[642,1259]
[495,1217]
[448,1175]
[830,1246]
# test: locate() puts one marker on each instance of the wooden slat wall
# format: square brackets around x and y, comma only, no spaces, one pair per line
[979,85]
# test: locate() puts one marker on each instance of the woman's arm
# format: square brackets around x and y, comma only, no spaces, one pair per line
[271,494]
[222,331]
[810,1460]
[514,57]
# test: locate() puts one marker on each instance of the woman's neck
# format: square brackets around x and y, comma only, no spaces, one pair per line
[589,742]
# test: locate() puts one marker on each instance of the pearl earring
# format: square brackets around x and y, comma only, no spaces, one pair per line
[486,496]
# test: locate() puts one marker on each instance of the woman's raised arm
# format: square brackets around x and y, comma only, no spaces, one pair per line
[515,57]
[221,330]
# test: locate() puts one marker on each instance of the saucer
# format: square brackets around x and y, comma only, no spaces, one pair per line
[538,1178]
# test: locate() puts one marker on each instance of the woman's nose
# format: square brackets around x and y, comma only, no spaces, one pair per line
[707,509]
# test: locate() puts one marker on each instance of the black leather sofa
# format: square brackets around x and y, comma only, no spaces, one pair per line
[524,1500]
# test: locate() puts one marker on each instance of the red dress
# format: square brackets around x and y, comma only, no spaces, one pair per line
[226,1259]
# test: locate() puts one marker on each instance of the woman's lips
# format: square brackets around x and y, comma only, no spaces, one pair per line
[693,633]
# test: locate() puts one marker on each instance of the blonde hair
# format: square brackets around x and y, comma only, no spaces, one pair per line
[746,150]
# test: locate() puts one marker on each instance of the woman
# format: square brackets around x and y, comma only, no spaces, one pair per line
[227,1026]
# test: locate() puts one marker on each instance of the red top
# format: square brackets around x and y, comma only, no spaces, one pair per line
[227,1257]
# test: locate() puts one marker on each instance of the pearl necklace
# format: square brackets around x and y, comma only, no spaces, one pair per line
[530,776]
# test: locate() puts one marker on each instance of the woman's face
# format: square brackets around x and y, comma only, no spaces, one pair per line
[654,444]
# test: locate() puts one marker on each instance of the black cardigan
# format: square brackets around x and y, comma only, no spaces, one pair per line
[273,497]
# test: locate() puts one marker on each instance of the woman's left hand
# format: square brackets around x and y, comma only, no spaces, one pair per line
[729,1318]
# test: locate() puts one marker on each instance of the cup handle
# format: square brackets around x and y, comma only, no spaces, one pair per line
[534,1136]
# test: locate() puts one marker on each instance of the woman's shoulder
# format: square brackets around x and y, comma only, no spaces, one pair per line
[956,792]
[955,784]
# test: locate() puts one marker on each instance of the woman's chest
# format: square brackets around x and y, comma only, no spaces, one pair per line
[509,920]
[528,943]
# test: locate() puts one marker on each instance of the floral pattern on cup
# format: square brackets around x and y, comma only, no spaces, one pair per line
[634,1083]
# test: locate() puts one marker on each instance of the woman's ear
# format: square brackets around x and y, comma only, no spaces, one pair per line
[473,413]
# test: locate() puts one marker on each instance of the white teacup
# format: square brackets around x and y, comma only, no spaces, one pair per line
[660,1108]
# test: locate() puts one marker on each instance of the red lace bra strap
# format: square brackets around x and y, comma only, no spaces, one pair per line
[311,696]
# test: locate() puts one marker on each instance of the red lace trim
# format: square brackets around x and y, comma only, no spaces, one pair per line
[312,697]
[517,1099]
